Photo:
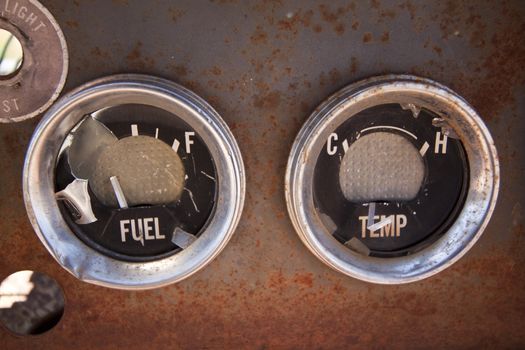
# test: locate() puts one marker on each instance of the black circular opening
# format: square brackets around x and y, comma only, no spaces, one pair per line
[31,303]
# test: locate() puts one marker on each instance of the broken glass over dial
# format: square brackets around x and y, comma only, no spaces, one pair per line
[135,182]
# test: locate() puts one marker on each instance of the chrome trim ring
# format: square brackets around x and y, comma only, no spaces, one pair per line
[38,180]
[462,234]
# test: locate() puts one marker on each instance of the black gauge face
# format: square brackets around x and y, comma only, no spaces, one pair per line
[135,182]
[403,196]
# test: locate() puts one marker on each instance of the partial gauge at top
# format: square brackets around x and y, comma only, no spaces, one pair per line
[145,177]
[33,60]
[392,179]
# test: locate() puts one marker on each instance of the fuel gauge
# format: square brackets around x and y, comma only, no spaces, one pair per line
[144,177]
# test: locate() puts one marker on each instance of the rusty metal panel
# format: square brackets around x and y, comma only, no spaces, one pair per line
[265,65]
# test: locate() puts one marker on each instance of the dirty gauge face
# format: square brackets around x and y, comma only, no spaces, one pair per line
[389,180]
[145,187]
[392,179]
[135,183]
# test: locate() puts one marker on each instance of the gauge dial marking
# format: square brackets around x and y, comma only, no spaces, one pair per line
[423,150]
[345,145]
[389,127]
[134,130]
[175,145]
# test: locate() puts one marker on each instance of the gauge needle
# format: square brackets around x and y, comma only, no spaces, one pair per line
[378,225]
[118,192]
[371,213]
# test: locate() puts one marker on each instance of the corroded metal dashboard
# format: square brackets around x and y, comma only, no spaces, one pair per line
[265,66]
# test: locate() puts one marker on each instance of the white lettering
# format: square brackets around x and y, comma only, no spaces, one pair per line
[441,142]
[157,231]
[123,230]
[40,25]
[10,105]
[331,149]
[148,228]
[189,141]
[388,229]
[388,226]
[31,19]
[23,13]
[401,221]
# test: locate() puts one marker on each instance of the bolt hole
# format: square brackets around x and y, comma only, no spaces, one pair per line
[30,303]
[11,54]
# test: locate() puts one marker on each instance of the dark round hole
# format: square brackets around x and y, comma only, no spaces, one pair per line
[30,303]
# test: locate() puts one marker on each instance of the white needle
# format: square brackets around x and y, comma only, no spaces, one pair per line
[118,192]
[371,213]
[387,221]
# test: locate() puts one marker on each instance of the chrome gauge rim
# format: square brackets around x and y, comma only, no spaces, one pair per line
[83,261]
[483,182]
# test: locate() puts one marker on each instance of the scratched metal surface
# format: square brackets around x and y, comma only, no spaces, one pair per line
[264,65]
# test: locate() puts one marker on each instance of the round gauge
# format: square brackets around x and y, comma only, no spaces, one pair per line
[137,175]
[392,179]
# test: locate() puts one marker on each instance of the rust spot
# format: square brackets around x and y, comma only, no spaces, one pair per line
[98,52]
[276,279]
[384,14]
[353,65]
[304,279]
[385,37]
[259,36]
[135,54]
[411,8]
[317,28]
[216,70]
[336,17]
[268,100]
[175,13]
[136,60]
[179,70]
[301,17]
[355,25]
[72,24]
[367,37]
[339,28]
[335,76]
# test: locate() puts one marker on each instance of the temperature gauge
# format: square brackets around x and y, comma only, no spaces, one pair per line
[392,179]
[144,177]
